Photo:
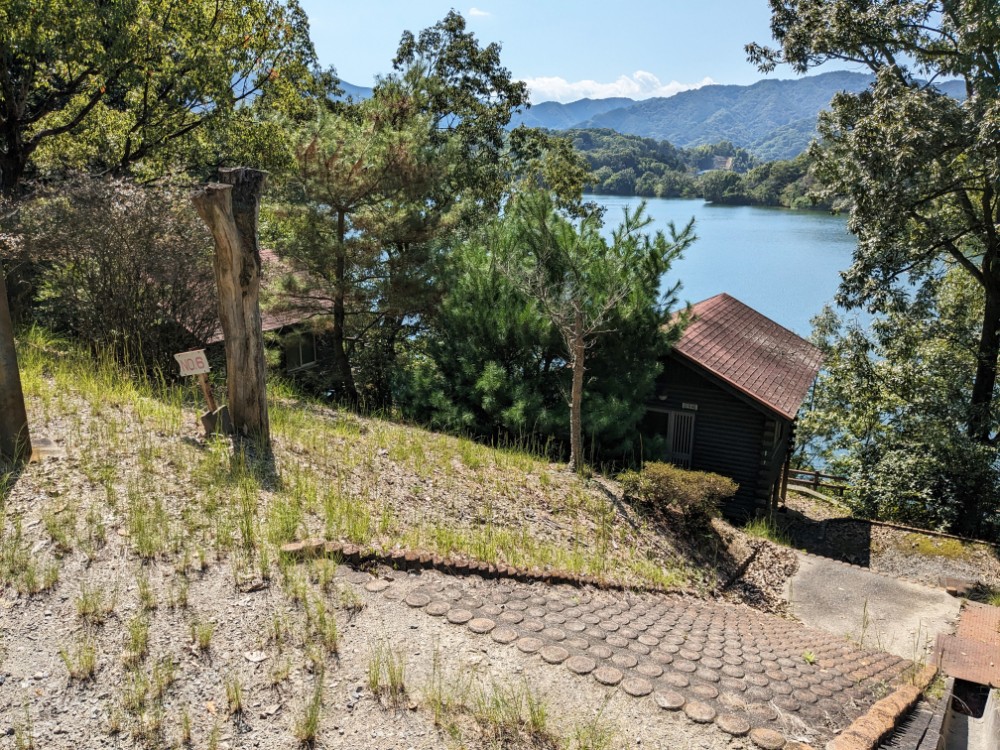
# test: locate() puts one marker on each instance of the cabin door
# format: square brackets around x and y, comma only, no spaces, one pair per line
[680,438]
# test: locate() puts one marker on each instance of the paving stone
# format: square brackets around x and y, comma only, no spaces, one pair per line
[581,664]
[629,633]
[682,665]
[601,651]
[762,713]
[704,692]
[517,606]
[648,640]
[669,700]
[417,599]
[676,680]
[708,675]
[728,670]
[608,675]
[529,645]
[638,648]
[821,691]
[481,625]
[805,696]
[780,688]
[554,619]
[470,603]
[537,612]
[575,627]
[437,608]
[359,577]
[616,641]
[757,680]
[767,739]
[731,683]
[758,694]
[669,648]
[732,701]
[590,619]
[376,586]
[490,610]
[511,617]
[698,711]
[595,633]
[733,724]
[661,658]
[533,626]
[649,669]
[459,616]
[712,653]
[580,644]
[626,661]
[610,625]
[505,635]
[690,654]
[554,654]
[798,684]
[637,686]
[521,594]
[786,703]
[554,634]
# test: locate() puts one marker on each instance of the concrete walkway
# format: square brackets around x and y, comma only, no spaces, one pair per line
[872,610]
[744,671]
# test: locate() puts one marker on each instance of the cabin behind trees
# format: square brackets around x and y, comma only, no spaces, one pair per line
[727,399]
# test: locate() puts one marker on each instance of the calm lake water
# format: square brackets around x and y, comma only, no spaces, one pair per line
[785,264]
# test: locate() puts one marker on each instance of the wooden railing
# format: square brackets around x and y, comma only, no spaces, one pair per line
[817,480]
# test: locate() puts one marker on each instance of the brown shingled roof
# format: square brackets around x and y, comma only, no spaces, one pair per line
[751,352]
[289,311]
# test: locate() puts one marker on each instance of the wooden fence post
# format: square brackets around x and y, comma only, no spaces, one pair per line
[230,208]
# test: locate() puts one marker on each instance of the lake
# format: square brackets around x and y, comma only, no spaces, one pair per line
[785,264]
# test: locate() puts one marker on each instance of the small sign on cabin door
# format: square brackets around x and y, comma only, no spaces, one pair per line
[192,363]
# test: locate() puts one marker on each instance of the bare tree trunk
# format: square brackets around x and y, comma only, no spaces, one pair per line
[230,209]
[346,388]
[579,352]
[15,441]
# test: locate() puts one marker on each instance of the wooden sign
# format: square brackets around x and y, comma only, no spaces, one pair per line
[193,363]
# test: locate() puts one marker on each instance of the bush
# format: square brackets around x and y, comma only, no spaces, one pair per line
[123,267]
[696,494]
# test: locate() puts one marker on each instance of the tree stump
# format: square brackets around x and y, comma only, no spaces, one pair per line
[15,442]
[230,208]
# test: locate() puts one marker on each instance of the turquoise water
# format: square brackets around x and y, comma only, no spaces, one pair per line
[785,264]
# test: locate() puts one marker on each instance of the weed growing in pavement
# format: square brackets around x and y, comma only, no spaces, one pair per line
[306,725]
[93,605]
[387,673]
[24,733]
[505,713]
[138,641]
[80,660]
[808,657]
[234,694]
[201,634]
[147,597]
[60,525]
[766,528]
[592,734]
[185,738]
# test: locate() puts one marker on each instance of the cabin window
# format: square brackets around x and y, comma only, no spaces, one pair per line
[300,351]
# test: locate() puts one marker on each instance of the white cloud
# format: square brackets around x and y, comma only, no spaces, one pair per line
[477,13]
[640,85]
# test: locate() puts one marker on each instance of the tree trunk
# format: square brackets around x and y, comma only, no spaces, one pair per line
[346,389]
[15,441]
[230,209]
[579,351]
[980,406]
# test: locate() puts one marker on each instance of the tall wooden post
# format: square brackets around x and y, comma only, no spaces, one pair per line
[15,442]
[230,208]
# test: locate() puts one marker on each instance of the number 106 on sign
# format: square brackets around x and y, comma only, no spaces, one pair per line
[192,363]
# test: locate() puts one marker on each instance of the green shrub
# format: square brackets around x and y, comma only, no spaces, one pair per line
[696,494]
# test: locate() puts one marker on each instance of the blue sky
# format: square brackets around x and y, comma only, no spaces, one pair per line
[565,50]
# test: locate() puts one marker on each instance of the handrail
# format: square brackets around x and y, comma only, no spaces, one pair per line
[817,479]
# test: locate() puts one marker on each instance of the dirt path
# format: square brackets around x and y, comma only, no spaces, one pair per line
[871,609]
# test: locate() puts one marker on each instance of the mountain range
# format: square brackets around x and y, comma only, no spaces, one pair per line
[772,118]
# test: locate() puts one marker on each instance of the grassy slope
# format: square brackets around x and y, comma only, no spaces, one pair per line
[135,456]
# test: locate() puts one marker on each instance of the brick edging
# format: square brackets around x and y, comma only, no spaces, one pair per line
[869,729]
[414,560]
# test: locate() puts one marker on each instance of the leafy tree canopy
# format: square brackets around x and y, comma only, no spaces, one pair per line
[112,84]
